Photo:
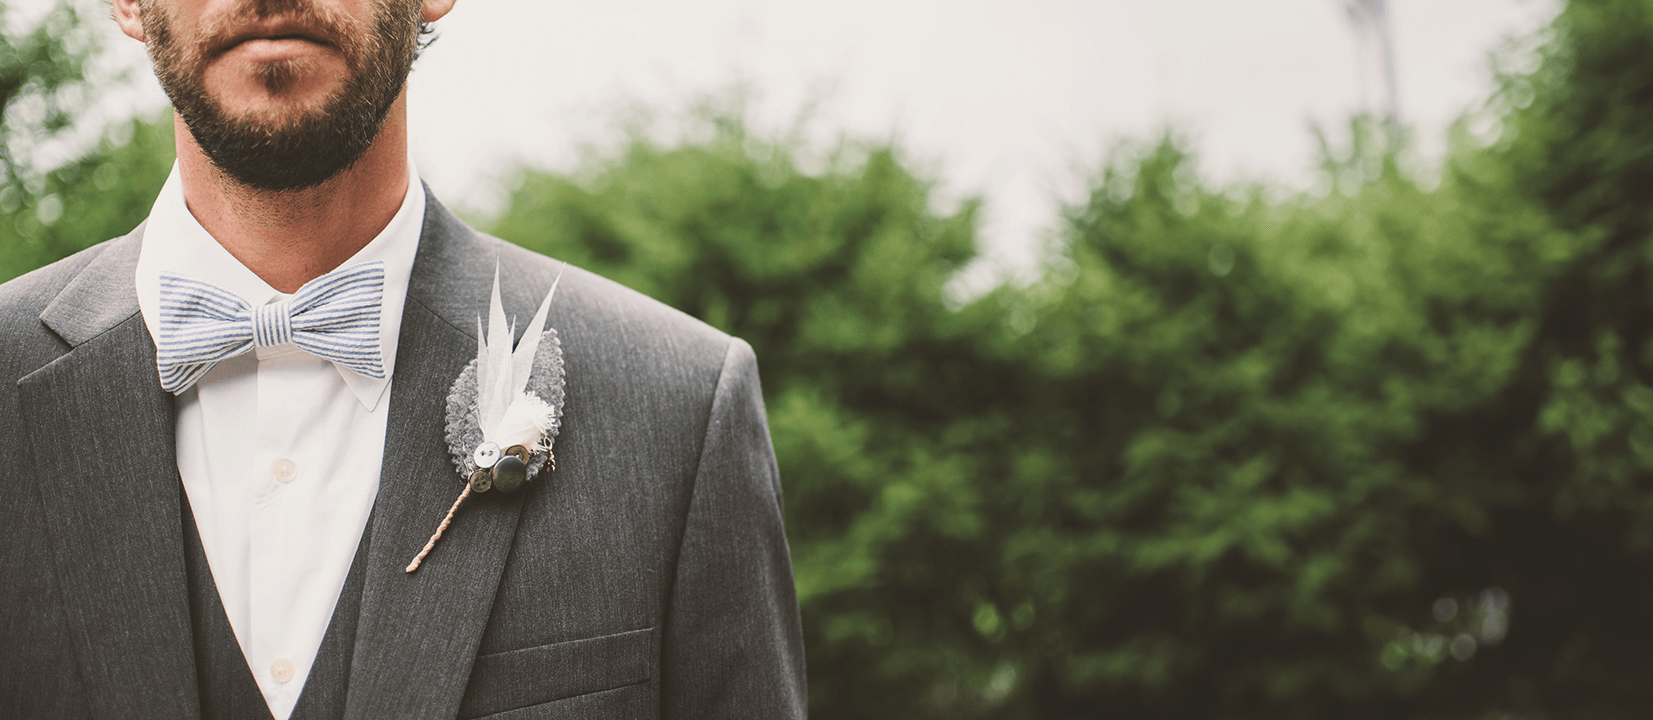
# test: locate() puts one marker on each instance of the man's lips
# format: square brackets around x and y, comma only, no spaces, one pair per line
[275,31]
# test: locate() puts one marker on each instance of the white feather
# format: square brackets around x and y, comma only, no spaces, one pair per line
[505,414]
[495,395]
[524,422]
[523,360]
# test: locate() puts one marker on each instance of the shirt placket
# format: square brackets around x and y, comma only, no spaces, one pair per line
[278,464]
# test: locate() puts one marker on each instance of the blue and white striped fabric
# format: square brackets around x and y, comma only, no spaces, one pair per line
[335,317]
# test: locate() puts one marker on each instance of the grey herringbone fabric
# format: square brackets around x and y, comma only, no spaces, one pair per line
[647,577]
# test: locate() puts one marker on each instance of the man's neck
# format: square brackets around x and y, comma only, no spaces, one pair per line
[290,237]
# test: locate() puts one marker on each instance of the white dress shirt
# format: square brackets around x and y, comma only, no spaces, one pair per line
[279,450]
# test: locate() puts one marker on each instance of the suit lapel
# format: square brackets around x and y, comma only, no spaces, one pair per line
[418,632]
[101,434]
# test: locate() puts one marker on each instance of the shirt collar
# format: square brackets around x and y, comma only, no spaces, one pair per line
[174,241]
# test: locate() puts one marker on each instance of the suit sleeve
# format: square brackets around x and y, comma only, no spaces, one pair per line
[733,647]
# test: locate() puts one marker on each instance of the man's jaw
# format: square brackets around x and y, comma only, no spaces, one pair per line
[283,100]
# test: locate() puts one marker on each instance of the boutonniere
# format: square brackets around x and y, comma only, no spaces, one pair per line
[504,409]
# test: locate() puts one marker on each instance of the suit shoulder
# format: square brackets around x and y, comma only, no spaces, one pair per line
[23,298]
[26,343]
[604,327]
[616,315]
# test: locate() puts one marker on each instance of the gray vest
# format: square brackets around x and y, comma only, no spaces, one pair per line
[228,691]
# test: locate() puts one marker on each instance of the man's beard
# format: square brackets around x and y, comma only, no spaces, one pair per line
[306,148]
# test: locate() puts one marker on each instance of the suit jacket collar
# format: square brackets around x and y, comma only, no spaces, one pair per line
[452,273]
[102,435]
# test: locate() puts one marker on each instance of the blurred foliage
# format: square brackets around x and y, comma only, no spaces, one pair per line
[49,213]
[1381,450]
[40,73]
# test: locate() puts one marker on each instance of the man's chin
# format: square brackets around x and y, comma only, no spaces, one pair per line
[274,147]
[274,117]
[257,166]
[290,138]
[277,109]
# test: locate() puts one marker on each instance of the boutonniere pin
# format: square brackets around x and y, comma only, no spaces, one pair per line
[505,408]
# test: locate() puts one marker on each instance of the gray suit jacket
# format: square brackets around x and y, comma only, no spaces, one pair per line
[649,577]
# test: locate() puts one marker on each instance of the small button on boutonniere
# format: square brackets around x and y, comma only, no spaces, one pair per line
[504,409]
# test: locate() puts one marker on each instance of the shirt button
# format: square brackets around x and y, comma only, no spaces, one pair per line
[285,470]
[282,669]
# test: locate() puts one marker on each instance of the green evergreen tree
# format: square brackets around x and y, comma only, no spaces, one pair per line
[1345,455]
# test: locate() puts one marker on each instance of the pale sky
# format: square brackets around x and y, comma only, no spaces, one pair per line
[1013,100]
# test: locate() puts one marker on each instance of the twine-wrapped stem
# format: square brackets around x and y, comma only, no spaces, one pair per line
[444,526]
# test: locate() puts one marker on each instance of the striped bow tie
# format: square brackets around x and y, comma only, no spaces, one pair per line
[334,317]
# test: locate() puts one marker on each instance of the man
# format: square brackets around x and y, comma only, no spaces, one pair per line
[230,539]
